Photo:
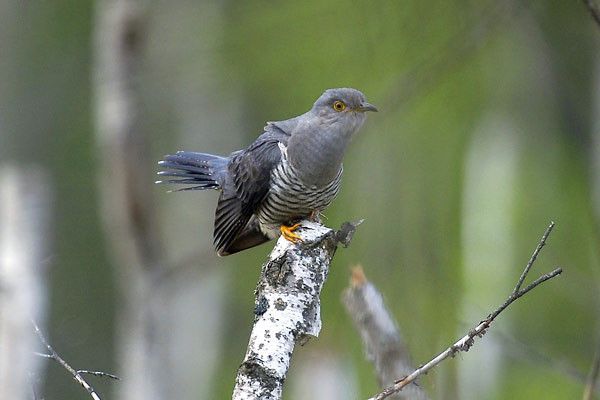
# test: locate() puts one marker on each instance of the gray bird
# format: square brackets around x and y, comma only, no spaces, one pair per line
[290,172]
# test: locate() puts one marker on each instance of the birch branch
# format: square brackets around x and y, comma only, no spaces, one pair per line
[24,214]
[287,308]
[467,341]
[380,335]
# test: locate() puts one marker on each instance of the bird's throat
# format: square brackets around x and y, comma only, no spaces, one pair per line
[316,160]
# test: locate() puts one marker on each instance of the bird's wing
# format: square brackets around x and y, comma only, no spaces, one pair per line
[248,184]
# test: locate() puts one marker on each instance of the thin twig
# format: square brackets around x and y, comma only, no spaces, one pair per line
[515,296]
[465,343]
[592,380]
[76,374]
[44,355]
[98,373]
[594,10]
[537,250]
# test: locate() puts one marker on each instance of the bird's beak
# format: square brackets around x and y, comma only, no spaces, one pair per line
[367,107]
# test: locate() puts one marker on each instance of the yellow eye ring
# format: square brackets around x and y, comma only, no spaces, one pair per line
[339,105]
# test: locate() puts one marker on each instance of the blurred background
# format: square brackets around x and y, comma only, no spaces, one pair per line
[488,129]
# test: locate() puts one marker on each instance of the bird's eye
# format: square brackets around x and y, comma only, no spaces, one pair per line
[339,105]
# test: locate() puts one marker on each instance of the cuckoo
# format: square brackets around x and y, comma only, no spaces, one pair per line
[290,172]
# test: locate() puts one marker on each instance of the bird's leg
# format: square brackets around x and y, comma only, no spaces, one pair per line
[288,232]
[315,216]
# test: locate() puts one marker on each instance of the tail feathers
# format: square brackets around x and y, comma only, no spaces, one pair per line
[202,171]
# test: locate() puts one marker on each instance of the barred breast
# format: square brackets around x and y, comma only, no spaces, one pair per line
[289,198]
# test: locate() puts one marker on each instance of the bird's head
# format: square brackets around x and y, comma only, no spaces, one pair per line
[319,137]
[344,108]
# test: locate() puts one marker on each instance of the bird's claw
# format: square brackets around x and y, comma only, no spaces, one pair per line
[288,233]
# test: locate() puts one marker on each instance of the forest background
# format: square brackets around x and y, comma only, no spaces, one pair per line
[489,128]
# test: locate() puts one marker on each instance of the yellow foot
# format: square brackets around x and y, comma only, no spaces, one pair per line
[288,233]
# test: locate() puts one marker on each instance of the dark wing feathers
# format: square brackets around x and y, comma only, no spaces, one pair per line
[229,221]
[247,185]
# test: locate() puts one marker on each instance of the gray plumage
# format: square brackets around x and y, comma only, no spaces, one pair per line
[291,171]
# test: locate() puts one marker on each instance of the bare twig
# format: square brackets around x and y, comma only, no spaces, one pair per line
[537,250]
[52,354]
[43,355]
[465,343]
[592,380]
[380,335]
[594,10]
[98,373]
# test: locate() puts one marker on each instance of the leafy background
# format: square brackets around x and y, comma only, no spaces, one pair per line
[488,129]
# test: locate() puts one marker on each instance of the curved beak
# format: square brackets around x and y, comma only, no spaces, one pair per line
[367,107]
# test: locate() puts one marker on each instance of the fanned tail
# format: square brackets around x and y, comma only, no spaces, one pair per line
[200,170]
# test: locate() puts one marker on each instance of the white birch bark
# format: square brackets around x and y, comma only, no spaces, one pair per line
[287,310]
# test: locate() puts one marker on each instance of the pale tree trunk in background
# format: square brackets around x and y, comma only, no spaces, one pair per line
[169,325]
[490,180]
[320,375]
[184,79]
[24,212]
[595,136]
[128,213]
[593,380]
[595,188]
